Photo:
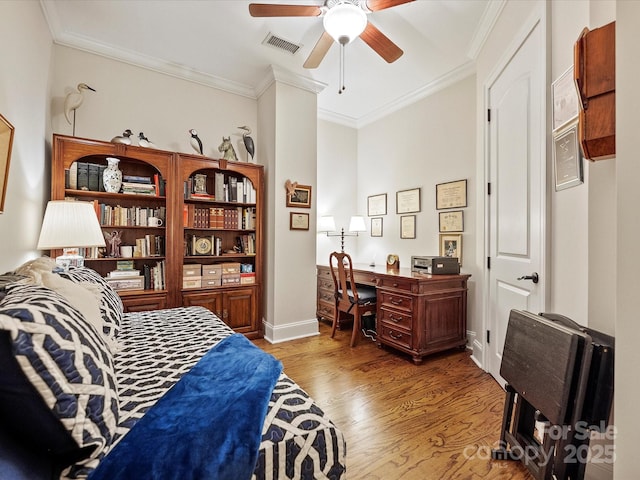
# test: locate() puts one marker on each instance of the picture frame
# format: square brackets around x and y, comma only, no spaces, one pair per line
[6,144]
[565,100]
[408,226]
[451,194]
[451,221]
[298,221]
[408,201]
[376,227]
[451,245]
[567,158]
[300,198]
[377,205]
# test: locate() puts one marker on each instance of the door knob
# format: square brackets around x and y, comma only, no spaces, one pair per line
[533,277]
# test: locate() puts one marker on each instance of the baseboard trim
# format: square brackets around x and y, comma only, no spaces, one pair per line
[290,331]
[476,356]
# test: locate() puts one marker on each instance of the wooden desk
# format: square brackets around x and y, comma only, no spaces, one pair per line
[418,314]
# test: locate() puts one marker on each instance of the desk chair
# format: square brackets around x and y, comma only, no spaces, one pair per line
[358,299]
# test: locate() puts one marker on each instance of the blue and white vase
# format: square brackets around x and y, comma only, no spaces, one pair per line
[112,176]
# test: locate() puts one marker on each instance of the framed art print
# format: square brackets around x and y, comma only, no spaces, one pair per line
[567,158]
[408,201]
[376,227]
[377,205]
[451,195]
[451,221]
[301,197]
[408,226]
[451,246]
[298,221]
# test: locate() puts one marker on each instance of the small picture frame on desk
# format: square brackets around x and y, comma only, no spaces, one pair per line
[298,221]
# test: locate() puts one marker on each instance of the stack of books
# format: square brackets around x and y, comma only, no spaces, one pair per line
[125,277]
[138,185]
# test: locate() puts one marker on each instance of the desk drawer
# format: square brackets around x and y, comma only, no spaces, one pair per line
[397,283]
[324,284]
[364,278]
[395,319]
[325,310]
[395,301]
[395,336]
[326,295]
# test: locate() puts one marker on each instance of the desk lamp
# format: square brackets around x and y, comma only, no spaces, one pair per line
[327,225]
[70,225]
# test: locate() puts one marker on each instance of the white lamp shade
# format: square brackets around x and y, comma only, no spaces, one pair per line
[70,224]
[357,225]
[326,224]
[345,22]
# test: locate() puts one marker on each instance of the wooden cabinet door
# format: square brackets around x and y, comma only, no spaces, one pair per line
[240,309]
[142,303]
[212,301]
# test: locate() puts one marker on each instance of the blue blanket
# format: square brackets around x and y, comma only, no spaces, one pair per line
[207,426]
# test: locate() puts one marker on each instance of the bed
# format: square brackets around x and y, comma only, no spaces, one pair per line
[150,355]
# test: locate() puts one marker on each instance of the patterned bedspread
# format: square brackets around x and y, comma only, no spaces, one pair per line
[158,347]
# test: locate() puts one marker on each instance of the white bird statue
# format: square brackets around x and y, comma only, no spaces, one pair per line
[196,143]
[72,102]
[125,138]
[248,141]
[144,141]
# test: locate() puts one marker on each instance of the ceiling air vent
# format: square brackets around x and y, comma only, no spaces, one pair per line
[281,44]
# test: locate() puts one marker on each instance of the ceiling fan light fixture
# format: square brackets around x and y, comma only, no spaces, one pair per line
[345,22]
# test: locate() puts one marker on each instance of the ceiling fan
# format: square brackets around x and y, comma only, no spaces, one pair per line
[344,21]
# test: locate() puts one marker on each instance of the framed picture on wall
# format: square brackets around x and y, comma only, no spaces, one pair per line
[376,227]
[408,226]
[298,221]
[301,197]
[408,201]
[567,158]
[451,194]
[377,205]
[451,246]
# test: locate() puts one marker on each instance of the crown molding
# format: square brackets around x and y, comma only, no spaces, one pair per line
[275,73]
[486,24]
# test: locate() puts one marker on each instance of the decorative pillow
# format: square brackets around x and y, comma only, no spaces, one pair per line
[111,306]
[66,361]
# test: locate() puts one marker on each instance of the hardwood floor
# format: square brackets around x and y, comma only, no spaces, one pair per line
[438,420]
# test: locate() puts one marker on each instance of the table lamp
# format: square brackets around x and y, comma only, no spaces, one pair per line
[70,225]
[327,224]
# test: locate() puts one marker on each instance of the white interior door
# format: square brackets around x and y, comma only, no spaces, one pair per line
[517,197]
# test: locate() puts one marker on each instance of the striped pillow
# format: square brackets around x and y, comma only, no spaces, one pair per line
[66,360]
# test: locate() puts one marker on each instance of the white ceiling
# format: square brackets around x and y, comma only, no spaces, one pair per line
[217,42]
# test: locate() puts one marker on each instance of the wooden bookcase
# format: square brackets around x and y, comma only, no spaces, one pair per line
[240,244]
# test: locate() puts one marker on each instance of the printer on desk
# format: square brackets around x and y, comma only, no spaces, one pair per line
[435,265]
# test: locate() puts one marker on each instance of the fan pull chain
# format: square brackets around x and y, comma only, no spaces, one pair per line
[342,87]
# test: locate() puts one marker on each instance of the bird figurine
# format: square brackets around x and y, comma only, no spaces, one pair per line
[124,138]
[73,101]
[196,143]
[290,186]
[248,141]
[144,141]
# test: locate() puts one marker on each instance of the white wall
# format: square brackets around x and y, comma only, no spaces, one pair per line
[292,253]
[24,76]
[429,142]
[161,106]
[627,303]
[337,190]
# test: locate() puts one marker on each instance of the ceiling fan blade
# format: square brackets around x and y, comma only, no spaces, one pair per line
[381,43]
[320,49]
[271,10]
[375,5]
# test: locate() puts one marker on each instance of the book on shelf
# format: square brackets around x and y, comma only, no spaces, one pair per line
[126,283]
[136,179]
[83,176]
[123,273]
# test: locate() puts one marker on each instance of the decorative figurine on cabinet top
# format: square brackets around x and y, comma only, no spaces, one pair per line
[226,148]
[248,141]
[124,139]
